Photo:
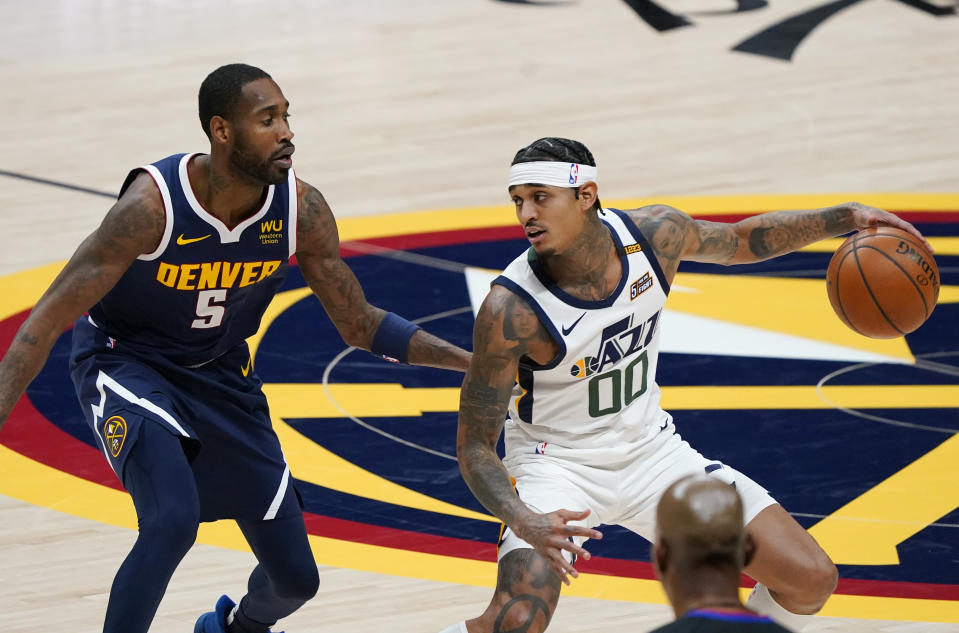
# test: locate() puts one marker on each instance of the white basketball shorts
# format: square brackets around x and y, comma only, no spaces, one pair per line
[623,494]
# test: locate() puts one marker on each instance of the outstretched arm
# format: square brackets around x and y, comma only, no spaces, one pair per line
[483,402]
[675,236]
[357,321]
[133,226]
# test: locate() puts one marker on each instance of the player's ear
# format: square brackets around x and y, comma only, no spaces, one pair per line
[587,195]
[220,130]
[660,557]
[749,549]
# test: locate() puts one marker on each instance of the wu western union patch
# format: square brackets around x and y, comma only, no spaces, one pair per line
[115,431]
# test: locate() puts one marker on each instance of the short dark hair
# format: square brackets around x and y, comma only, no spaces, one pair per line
[221,91]
[561,150]
[552,148]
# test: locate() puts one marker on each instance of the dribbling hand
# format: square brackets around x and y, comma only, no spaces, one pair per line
[550,533]
[867,217]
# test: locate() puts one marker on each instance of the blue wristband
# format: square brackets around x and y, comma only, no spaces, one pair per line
[392,338]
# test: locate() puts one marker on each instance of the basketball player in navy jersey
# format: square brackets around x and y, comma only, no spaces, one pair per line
[586,439]
[700,549]
[175,279]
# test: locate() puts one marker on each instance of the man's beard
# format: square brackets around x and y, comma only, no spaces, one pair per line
[256,170]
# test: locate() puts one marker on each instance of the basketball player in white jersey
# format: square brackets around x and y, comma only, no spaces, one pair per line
[586,440]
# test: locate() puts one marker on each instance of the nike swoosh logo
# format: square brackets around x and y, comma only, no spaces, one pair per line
[182,241]
[249,361]
[567,330]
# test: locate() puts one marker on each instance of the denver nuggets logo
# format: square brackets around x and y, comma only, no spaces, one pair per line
[115,431]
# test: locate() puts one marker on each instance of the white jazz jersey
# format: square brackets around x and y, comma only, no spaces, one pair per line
[598,397]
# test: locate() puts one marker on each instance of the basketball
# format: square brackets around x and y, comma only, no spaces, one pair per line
[883,282]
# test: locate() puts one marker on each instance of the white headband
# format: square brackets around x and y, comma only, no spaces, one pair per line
[551,173]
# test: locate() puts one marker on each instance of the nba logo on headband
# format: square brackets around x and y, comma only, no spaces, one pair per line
[551,173]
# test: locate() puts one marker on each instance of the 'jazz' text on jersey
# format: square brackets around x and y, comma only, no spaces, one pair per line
[619,340]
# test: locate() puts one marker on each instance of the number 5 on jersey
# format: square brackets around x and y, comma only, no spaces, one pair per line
[209,314]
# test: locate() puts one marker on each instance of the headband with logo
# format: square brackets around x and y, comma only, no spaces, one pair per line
[552,173]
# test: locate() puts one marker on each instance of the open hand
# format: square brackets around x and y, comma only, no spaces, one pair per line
[550,533]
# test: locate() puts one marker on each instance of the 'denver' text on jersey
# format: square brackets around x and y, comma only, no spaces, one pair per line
[205,288]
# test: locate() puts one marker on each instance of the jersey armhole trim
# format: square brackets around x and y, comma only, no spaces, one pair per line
[167,208]
[294,214]
[646,248]
[515,288]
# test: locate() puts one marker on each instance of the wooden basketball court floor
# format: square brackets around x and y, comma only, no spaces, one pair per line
[402,107]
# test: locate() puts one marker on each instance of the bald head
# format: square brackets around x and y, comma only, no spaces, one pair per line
[701,521]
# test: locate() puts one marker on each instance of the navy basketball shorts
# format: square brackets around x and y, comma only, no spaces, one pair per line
[218,410]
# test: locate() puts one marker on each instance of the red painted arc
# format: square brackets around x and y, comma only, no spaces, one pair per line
[469,236]
[32,435]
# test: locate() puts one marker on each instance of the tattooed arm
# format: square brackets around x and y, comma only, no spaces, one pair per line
[675,236]
[133,226]
[318,254]
[507,329]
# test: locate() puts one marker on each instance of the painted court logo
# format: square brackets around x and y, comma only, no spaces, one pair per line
[778,40]
[914,584]
[115,431]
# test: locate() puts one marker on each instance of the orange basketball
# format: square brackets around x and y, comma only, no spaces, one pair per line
[883,282]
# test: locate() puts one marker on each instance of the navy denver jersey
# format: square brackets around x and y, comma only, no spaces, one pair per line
[206,286]
[167,346]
